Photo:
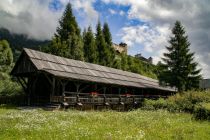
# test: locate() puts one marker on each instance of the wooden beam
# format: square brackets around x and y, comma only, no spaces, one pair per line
[23,80]
[63,83]
[22,84]
[104,90]
[53,89]
[84,88]
[53,86]
[48,78]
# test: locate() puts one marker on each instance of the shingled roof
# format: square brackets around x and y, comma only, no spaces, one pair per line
[78,70]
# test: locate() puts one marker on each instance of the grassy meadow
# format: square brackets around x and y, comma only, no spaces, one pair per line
[105,125]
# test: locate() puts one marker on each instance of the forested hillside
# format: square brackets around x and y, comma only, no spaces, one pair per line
[19,41]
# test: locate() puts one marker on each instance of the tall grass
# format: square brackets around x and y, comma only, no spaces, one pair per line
[93,125]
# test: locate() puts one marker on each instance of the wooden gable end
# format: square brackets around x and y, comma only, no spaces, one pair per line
[23,66]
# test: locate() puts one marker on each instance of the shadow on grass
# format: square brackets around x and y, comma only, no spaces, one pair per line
[8,106]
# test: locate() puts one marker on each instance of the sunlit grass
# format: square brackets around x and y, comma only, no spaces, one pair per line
[72,124]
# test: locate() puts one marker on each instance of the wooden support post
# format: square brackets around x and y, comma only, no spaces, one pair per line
[77,87]
[34,87]
[77,90]
[104,92]
[53,89]
[29,90]
[119,91]
[63,89]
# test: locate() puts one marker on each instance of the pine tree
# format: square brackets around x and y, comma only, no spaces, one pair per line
[59,48]
[68,34]
[108,40]
[90,50]
[107,34]
[179,69]
[103,51]
[67,25]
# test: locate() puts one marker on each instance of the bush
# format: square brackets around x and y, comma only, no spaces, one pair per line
[202,112]
[188,100]
[154,104]
[8,87]
[181,102]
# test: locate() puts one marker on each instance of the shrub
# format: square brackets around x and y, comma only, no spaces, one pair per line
[188,100]
[154,104]
[202,112]
[185,102]
[8,87]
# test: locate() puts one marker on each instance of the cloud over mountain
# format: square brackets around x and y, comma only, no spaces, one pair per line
[39,18]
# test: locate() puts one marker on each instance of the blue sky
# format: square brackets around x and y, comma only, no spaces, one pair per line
[145,25]
[117,18]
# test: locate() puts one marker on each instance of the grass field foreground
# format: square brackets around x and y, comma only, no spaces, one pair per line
[93,125]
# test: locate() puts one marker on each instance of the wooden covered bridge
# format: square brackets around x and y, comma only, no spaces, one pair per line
[47,78]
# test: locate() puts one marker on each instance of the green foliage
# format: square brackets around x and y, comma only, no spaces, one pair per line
[90,50]
[75,44]
[195,102]
[108,39]
[202,112]
[117,63]
[154,104]
[124,62]
[132,64]
[59,48]
[6,56]
[179,69]
[68,25]
[7,85]
[67,38]
[103,52]
[107,35]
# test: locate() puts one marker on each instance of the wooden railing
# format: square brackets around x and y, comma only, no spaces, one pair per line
[99,99]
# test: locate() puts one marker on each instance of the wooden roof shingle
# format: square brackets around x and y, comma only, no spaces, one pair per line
[74,69]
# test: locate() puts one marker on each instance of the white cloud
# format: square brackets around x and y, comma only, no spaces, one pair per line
[153,39]
[87,5]
[34,18]
[160,14]
[113,12]
[30,17]
[122,13]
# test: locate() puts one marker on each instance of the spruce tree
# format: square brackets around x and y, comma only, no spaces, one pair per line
[103,51]
[107,34]
[67,24]
[59,48]
[68,34]
[108,40]
[90,50]
[180,69]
